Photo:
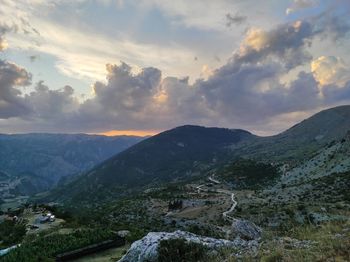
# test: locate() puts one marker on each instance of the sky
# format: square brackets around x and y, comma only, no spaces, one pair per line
[143,66]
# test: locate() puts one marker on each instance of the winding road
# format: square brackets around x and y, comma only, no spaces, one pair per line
[221,191]
[234,204]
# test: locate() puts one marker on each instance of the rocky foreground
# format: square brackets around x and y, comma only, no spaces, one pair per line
[146,249]
[244,239]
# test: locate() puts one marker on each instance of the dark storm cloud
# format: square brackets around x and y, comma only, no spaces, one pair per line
[333,26]
[126,92]
[254,92]
[51,104]
[12,103]
[286,42]
[247,89]
[334,95]
[124,99]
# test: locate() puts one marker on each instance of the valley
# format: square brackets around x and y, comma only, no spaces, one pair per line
[217,194]
[35,163]
[174,131]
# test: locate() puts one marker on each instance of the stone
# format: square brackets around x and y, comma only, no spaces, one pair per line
[146,249]
[123,233]
[245,229]
[291,243]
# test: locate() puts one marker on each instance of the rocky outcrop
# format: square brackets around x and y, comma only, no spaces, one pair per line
[291,243]
[146,249]
[245,229]
[123,233]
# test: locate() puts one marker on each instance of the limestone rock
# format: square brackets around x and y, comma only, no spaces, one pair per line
[245,229]
[291,243]
[146,249]
[123,233]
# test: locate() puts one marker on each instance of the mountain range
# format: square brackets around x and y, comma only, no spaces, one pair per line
[31,163]
[189,152]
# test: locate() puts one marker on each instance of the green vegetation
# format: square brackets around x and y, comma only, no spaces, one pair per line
[246,173]
[303,217]
[46,246]
[328,242]
[179,250]
[11,233]
[25,158]
[204,230]
[172,155]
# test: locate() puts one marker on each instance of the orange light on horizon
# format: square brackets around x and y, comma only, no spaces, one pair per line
[130,133]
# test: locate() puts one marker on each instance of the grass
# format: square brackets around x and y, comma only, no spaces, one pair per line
[112,254]
[179,250]
[328,242]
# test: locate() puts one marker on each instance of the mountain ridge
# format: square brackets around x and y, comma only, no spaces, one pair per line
[188,151]
[53,157]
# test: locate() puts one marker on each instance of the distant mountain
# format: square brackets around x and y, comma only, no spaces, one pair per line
[33,162]
[176,154]
[187,151]
[25,184]
[3,176]
[301,140]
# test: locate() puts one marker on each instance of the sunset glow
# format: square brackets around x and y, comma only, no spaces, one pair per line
[130,133]
[139,67]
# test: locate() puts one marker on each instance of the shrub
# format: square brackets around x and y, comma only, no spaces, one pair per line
[11,233]
[179,250]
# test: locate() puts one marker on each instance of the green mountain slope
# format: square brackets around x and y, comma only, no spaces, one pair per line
[184,152]
[176,154]
[301,140]
[35,162]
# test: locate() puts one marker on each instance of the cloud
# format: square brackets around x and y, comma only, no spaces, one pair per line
[236,19]
[12,104]
[330,70]
[253,93]
[206,72]
[82,53]
[247,91]
[13,21]
[286,42]
[3,43]
[299,5]
[208,15]
[33,58]
[332,25]
[47,105]
[84,56]
[124,99]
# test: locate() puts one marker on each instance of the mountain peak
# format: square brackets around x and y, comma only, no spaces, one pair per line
[328,124]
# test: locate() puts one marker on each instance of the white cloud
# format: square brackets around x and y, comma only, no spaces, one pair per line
[3,43]
[330,70]
[212,15]
[246,91]
[84,55]
[298,5]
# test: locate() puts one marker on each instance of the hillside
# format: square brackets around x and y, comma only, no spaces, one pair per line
[288,207]
[301,140]
[323,172]
[182,152]
[187,151]
[36,162]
